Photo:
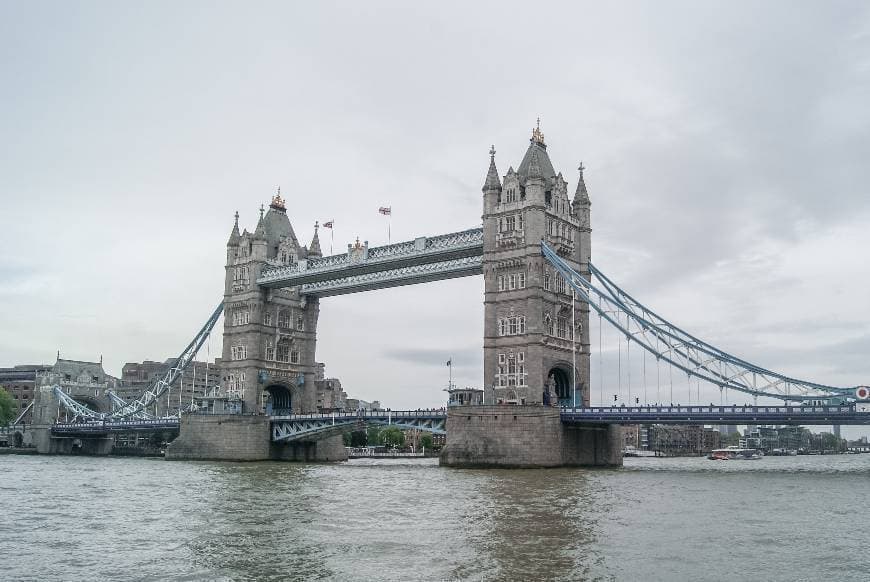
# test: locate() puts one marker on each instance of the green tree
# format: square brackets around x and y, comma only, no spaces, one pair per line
[426,441]
[359,438]
[7,407]
[393,437]
[346,438]
[373,436]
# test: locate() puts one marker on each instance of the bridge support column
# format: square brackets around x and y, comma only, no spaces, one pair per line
[525,437]
[221,437]
[324,450]
[47,444]
[236,437]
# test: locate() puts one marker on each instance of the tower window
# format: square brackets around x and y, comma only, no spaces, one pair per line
[300,323]
[521,281]
[267,318]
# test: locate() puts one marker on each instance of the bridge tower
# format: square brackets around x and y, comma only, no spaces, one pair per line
[269,334]
[529,327]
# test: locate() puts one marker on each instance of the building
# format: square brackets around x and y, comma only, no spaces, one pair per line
[683,440]
[529,318]
[20,382]
[464,397]
[357,404]
[269,334]
[199,379]
[330,395]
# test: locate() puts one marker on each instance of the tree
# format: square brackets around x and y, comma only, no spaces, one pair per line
[346,438]
[7,407]
[373,436]
[393,437]
[426,441]
[358,438]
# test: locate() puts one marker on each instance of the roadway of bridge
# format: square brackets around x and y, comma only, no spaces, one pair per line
[780,415]
[295,426]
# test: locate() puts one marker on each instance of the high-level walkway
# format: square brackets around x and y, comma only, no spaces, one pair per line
[424,259]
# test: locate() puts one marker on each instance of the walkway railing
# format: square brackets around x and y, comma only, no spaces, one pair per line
[795,415]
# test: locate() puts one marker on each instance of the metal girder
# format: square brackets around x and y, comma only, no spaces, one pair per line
[78,409]
[682,350]
[137,409]
[307,427]
[362,261]
[22,413]
[790,415]
[156,390]
[408,275]
[107,426]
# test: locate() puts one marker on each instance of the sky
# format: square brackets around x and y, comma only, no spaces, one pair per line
[726,148]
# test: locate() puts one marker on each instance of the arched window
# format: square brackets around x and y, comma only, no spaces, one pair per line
[548,324]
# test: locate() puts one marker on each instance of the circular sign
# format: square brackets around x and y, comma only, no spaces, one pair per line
[862,392]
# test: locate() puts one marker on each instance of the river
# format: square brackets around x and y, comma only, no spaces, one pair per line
[92,518]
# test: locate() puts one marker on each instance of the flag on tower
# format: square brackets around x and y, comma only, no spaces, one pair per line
[450,362]
[385,210]
[328,224]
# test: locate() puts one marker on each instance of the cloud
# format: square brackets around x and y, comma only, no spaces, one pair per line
[726,149]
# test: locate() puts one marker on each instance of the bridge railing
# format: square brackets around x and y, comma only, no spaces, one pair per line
[422,247]
[732,409]
[115,425]
[363,414]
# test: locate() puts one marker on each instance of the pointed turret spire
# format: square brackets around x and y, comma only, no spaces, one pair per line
[492,180]
[581,196]
[260,231]
[537,136]
[234,235]
[535,166]
[314,247]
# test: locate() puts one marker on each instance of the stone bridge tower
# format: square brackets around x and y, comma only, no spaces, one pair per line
[528,332]
[269,334]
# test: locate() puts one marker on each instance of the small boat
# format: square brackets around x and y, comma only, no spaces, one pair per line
[735,454]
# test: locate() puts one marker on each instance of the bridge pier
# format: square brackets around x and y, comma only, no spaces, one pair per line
[48,444]
[236,437]
[526,437]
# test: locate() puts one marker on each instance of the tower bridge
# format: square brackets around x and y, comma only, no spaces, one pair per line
[534,252]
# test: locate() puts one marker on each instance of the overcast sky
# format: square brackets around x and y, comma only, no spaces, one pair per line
[726,146]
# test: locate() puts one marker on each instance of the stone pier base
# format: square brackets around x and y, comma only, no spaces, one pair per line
[48,444]
[526,437]
[233,437]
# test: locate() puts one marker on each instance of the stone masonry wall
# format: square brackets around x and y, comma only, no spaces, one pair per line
[525,437]
[224,437]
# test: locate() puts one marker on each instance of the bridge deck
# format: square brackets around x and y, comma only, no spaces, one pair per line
[457,254]
[793,415]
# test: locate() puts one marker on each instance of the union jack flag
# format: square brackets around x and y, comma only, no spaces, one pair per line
[385,210]
[328,224]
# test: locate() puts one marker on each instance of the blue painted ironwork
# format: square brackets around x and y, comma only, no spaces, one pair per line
[792,415]
[393,263]
[683,351]
[407,275]
[309,427]
[110,426]
[138,407]
[21,414]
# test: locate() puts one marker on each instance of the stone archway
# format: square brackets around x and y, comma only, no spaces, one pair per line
[279,401]
[559,383]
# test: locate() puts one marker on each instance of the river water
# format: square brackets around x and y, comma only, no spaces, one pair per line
[91,518]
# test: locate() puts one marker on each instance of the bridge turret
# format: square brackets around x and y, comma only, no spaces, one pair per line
[314,248]
[269,334]
[528,331]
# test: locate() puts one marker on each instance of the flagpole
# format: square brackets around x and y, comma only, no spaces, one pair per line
[331,236]
[390,227]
